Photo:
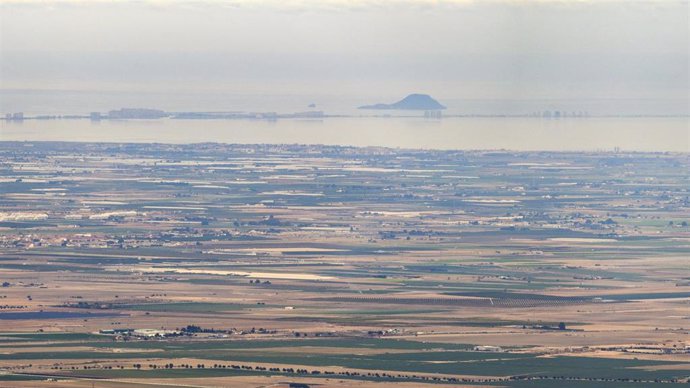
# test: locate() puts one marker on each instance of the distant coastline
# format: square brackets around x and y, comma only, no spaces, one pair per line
[157,114]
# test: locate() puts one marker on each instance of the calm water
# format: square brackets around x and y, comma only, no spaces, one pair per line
[629,134]
[37,102]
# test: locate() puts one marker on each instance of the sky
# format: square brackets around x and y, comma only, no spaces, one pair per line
[451,49]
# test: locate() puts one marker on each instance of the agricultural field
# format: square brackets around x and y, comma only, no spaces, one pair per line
[214,265]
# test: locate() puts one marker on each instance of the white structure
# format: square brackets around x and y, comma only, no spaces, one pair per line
[487,348]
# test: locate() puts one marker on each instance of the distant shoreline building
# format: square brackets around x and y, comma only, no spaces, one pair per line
[17,116]
[433,114]
[137,113]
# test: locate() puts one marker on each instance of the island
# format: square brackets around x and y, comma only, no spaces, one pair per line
[411,102]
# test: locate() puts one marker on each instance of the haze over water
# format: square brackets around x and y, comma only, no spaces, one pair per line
[589,134]
[499,57]
[360,128]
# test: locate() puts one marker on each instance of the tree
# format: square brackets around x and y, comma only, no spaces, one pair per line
[561,326]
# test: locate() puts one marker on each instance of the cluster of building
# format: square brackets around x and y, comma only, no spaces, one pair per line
[153,114]
[17,116]
[249,115]
[141,333]
[558,114]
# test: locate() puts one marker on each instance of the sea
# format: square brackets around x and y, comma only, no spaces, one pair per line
[468,124]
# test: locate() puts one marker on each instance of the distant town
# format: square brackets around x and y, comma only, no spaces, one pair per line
[154,114]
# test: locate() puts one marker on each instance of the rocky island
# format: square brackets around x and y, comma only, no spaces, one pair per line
[411,102]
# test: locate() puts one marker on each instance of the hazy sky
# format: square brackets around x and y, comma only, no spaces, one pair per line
[453,49]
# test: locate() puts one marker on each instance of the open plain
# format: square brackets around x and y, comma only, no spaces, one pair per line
[214,265]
